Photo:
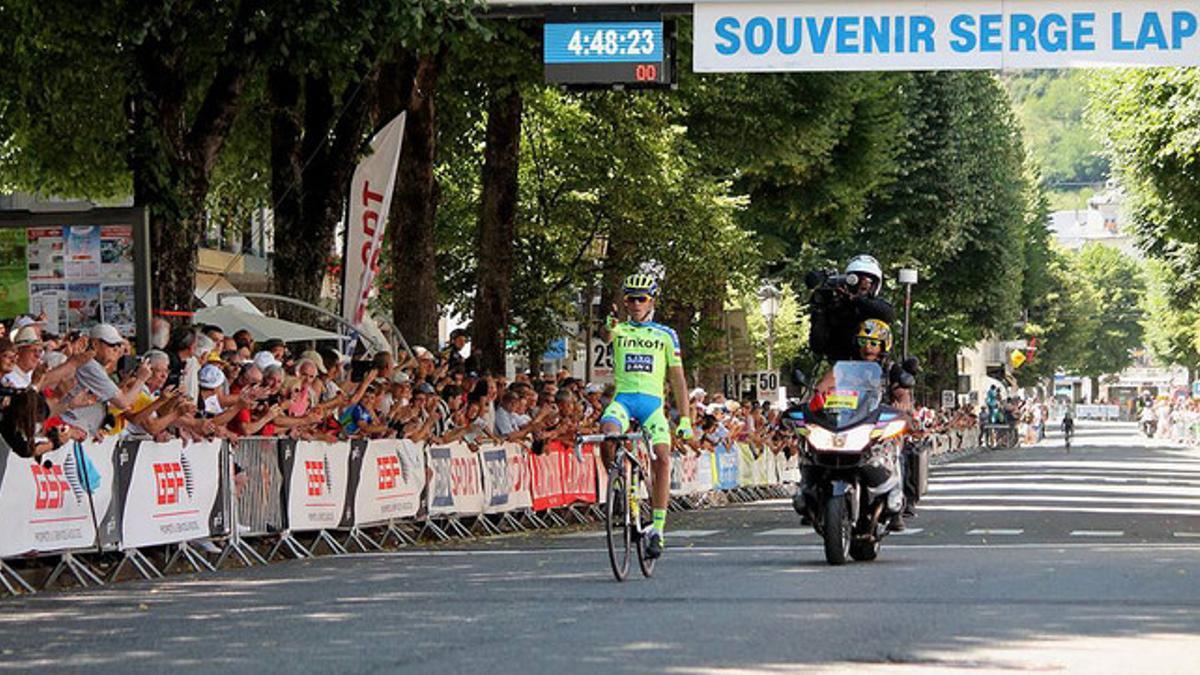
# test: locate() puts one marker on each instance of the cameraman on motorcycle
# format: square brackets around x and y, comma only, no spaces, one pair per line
[851,322]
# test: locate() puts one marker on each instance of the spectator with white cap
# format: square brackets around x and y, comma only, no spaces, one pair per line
[95,377]
[28,346]
[265,360]
[210,406]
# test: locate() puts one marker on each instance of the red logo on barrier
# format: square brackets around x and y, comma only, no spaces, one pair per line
[389,470]
[50,486]
[168,476]
[316,478]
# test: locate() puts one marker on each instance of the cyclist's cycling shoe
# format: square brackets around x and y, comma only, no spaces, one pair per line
[897,524]
[654,544]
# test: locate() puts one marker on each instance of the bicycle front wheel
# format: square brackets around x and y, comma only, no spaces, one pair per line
[644,522]
[617,523]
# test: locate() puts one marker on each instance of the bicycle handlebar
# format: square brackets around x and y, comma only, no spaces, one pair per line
[602,438]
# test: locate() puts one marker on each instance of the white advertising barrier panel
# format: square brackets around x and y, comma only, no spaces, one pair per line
[691,474]
[390,474]
[46,508]
[768,469]
[507,478]
[789,468]
[170,492]
[456,484]
[317,476]
[370,197]
[943,35]
[1097,412]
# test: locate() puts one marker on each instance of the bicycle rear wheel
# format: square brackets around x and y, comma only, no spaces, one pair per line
[645,520]
[617,522]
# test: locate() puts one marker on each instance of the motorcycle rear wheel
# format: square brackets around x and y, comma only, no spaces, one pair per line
[837,531]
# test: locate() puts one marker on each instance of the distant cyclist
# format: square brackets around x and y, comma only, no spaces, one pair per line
[1068,427]
[645,354]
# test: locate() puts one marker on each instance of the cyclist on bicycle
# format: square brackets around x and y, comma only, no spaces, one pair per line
[1068,425]
[645,354]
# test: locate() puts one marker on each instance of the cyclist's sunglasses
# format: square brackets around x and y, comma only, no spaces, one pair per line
[870,342]
[637,299]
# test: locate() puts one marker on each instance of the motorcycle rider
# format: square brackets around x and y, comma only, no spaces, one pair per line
[873,342]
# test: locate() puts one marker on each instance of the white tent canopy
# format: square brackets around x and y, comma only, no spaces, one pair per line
[261,327]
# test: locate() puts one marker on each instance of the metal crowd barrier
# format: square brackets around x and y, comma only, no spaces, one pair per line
[237,496]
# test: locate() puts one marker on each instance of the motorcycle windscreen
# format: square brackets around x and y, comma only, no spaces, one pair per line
[857,393]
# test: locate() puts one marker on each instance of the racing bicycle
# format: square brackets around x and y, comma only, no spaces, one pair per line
[627,519]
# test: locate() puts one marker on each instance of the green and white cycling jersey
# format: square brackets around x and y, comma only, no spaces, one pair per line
[642,355]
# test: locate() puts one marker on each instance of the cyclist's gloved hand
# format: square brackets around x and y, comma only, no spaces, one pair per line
[684,430]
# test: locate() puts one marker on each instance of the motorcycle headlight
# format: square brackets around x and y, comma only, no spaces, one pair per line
[853,440]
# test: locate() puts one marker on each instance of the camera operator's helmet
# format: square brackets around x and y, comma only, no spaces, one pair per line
[868,265]
[876,330]
[641,284]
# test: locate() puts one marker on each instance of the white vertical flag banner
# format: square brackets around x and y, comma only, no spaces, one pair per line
[370,197]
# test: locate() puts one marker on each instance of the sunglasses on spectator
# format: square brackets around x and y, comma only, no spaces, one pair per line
[870,342]
[637,299]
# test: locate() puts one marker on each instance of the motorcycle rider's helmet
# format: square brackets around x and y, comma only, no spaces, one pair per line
[875,330]
[641,284]
[868,265]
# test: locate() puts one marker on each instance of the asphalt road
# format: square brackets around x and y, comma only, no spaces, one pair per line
[1019,560]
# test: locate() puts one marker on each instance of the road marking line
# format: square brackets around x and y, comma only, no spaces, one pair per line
[1059,509]
[691,533]
[1095,546]
[1188,535]
[1097,533]
[785,532]
[996,532]
[908,532]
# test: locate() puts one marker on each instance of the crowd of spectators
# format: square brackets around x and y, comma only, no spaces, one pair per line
[201,382]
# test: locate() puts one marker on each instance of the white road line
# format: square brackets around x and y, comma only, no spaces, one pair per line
[1096,546]
[785,532]
[1059,509]
[1187,535]
[1061,478]
[996,532]
[908,532]
[1120,467]
[686,534]
[1025,497]
[1080,487]
[1097,533]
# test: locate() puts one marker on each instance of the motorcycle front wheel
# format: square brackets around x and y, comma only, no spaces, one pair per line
[837,531]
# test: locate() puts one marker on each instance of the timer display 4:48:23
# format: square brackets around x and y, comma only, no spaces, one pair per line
[611,43]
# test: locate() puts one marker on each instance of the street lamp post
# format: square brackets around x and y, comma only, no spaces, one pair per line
[908,277]
[768,297]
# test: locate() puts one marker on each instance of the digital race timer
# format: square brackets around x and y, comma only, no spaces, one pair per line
[606,53]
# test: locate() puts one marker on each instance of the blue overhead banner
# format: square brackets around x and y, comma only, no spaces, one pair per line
[943,35]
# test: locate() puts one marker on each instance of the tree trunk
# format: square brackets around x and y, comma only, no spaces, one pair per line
[414,201]
[287,163]
[171,155]
[497,226]
[312,198]
[712,313]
